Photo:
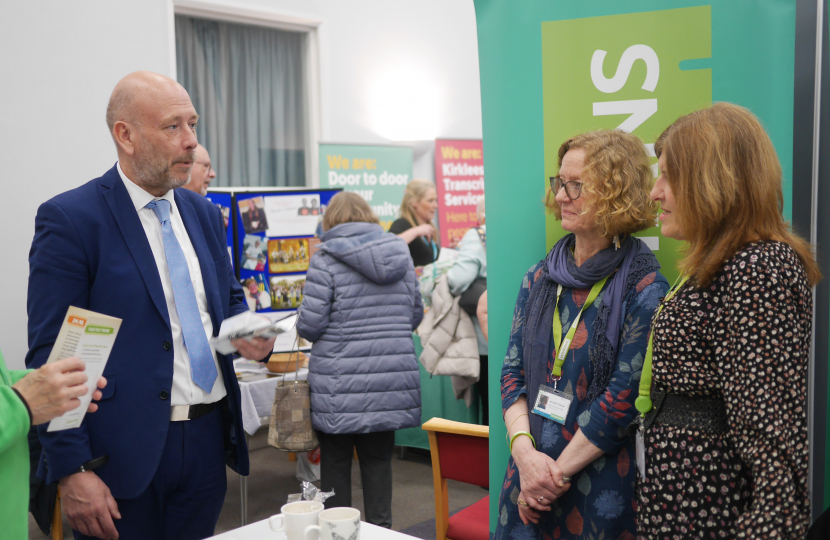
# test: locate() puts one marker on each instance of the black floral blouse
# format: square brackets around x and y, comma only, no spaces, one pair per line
[744,339]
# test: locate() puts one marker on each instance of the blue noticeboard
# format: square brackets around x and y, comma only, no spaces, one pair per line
[271,236]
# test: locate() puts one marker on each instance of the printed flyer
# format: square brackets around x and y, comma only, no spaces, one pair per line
[89,336]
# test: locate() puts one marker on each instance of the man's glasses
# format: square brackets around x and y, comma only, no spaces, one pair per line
[205,164]
[573,189]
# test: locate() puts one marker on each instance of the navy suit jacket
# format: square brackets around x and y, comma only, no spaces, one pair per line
[90,251]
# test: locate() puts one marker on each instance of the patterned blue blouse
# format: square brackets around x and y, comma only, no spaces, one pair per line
[600,504]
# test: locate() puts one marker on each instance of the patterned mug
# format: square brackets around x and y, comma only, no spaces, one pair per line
[337,524]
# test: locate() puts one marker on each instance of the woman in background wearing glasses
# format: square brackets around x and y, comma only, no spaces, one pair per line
[576,350]
[725,434]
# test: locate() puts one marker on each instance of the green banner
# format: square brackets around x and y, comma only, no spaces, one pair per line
[555,68]
[378,173]
[628,76]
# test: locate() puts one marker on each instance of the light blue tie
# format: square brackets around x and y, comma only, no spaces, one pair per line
[202,367]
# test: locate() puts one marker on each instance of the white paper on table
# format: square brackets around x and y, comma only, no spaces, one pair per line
[89,336]
[242,365]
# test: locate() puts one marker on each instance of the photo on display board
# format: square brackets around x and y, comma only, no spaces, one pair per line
[253,215]
[256,291]
[292,215]
[254,253]
[287,291]
[226,213]
[289,255]
[309,207]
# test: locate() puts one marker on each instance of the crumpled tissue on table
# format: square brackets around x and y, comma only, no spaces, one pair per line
[310,493]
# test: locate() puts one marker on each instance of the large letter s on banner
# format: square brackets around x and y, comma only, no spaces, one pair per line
[631,54]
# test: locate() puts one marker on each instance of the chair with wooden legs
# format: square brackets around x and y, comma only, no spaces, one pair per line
[57,518]
[460,452]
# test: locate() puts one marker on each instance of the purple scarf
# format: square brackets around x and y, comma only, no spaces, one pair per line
[629,265]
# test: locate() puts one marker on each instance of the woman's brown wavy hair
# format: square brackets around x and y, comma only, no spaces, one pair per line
[616,179]
[348,207]
[726,179]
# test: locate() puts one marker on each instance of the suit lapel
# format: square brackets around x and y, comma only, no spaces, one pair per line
[208,267]
[126,217]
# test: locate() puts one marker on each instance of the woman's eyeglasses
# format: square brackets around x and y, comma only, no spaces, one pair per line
[573,189]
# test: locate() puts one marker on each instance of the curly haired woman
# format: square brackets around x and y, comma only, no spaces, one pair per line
[568,394]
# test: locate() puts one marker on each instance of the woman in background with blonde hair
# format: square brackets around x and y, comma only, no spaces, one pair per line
[420,201]
[724,385]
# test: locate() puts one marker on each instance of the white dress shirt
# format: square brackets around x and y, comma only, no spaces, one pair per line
[184,391]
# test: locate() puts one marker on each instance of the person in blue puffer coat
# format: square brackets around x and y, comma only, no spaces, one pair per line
[361,303]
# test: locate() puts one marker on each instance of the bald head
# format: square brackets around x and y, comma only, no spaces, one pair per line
[153,124]
[135,92]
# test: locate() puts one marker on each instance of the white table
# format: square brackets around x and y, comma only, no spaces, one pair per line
[261,531]
[257,398]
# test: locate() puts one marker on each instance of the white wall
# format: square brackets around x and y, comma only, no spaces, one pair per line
[60,61]
[362,40]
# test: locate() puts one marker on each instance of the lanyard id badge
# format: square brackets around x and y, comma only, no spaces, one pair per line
[552,404]
[641,450]
[643,402]
[563,346]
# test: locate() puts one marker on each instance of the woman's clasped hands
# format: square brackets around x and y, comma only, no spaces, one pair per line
[542,481]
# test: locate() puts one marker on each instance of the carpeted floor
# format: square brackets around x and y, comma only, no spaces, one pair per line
[273,478]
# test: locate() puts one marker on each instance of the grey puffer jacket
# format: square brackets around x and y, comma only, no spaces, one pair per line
[360,305]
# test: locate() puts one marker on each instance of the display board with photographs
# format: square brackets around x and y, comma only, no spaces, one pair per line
[274,235]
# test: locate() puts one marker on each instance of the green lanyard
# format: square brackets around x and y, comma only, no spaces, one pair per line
[643,401]
[562,347]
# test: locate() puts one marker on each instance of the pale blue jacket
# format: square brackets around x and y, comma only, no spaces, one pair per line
[361,303]
[470,264]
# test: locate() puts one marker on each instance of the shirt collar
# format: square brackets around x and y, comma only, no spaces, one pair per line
[138,195]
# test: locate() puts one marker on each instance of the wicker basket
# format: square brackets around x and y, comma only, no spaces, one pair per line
[285,362]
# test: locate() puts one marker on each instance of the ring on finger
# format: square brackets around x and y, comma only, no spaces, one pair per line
[522,502]
[540,498]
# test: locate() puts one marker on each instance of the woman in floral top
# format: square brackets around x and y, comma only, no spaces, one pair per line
[726,439]
[567,408]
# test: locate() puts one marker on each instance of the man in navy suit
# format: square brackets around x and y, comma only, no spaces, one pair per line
[130,245]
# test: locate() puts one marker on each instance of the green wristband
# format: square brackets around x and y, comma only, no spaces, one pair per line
[513,438]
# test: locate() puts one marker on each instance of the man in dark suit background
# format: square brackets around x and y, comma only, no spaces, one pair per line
[130,245]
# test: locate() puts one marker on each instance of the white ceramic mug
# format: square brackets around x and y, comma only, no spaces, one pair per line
[295,517]
[337,524]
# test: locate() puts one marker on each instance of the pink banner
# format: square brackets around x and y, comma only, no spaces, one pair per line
[459,177]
